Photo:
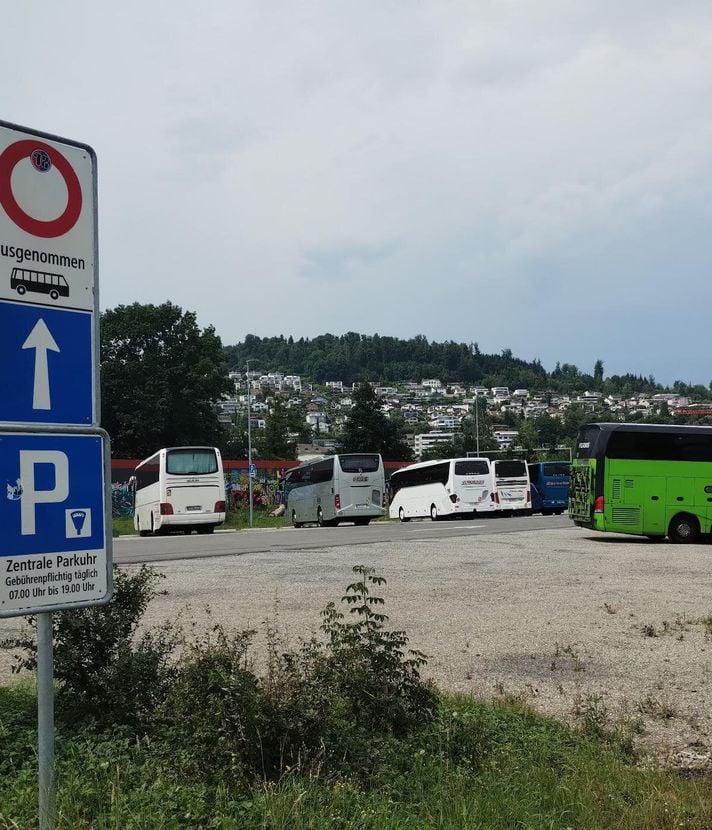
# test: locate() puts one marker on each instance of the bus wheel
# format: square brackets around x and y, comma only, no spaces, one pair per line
[295,523]
[21,289]
[402,516]
[205,529]
[141,531]
[54,294]
[434,513]
[361,522]
[684,529]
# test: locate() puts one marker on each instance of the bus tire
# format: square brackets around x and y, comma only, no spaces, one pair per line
[361,522]
[21,289]
[401,516]
[434,513]
[141,531]
[295,523]
[684,529]
[202,529]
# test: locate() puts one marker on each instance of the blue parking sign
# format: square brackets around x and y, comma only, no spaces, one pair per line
[53,546]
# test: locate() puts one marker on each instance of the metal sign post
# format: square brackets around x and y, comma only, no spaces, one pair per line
[55,519]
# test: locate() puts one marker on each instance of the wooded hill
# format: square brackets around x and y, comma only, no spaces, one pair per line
[360,357]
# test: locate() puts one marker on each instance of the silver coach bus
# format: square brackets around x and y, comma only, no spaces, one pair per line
[335,489]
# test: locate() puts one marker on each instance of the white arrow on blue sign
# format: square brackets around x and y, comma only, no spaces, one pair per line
[47,366]
[53,546]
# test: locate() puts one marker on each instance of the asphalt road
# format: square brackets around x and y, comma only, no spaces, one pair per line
[134,549]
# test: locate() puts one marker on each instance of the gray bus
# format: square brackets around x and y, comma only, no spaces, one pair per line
[335,489]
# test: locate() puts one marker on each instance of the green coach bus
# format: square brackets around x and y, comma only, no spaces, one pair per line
[648,479]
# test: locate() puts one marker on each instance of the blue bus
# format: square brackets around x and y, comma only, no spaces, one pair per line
[550,486]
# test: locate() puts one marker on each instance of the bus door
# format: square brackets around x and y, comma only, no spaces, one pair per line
[654,512]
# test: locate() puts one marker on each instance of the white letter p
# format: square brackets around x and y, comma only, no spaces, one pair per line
[29,459]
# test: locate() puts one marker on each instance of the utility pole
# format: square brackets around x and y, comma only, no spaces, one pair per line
[249,437]
[477,423]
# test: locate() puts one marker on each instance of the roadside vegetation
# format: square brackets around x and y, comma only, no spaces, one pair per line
[175,728]
[237,519]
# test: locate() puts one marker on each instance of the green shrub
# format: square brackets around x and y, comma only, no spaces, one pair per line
[334,704]
[103,669]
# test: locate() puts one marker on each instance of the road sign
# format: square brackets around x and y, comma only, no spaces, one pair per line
[53,548]
[48,279]
[253,470]
[46,370]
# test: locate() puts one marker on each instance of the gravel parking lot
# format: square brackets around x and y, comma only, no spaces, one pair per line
[574,623]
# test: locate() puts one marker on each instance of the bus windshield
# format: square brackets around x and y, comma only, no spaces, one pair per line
[191,462]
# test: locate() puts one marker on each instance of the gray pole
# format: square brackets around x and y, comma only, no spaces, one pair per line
[249,439]
[45,720]
[477,423]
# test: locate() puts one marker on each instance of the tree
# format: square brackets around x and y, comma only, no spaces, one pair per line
[598,374]
[161,377]
[273,441]
[367,429]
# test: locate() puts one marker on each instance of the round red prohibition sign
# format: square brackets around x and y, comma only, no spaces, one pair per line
[37,227]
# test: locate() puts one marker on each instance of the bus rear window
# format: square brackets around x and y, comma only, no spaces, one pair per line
[360,463]
[191,462]
[557,469]
[587,442]
[510,469]
[475,467]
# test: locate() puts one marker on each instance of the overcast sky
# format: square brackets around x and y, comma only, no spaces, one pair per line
[528,175]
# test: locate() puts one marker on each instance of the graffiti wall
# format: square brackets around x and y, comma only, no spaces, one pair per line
[266,491]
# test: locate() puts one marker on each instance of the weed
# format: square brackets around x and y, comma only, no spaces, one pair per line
[657,708]
[576,663]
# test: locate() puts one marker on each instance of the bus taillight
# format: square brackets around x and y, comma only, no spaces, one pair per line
[454,498]
[337,501]
[598,505]
[166,508]
[219,507]
[495,497]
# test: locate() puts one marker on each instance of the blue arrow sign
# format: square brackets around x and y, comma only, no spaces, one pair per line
[52,497]
[46,365]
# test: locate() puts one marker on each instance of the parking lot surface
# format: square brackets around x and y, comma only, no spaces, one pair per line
[576,624]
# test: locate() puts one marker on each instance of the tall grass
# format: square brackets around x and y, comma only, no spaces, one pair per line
[477,766]
[341,733]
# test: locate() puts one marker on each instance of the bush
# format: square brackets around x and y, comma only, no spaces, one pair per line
[339,703]
[331,704]
[104,671]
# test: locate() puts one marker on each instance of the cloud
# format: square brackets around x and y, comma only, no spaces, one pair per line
[468,170]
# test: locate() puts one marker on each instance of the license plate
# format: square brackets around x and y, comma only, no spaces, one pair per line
[194,507]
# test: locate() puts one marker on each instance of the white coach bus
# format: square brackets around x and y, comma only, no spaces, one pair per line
[456,486]
[512,486]
[179,488]
[336,488]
